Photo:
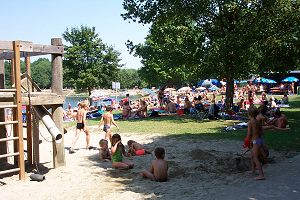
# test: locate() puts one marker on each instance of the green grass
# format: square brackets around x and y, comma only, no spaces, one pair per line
[186,128]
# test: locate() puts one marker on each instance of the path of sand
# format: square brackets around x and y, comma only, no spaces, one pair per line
[198,170]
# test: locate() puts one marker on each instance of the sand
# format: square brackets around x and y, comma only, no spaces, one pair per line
[197,169]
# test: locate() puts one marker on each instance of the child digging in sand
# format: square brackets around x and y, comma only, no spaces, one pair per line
[104,153]
[136,149]
[117,152]
[159,167]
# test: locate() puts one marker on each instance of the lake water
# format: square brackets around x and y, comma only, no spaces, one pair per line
[74,100]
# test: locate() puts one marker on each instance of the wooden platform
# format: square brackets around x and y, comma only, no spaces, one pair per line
[37,98]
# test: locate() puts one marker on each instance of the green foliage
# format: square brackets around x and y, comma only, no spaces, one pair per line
[7,66]
[41,72]
[129,78]
[215,38]
[88,62]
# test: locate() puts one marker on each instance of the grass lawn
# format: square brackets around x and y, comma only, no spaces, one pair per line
[186,128]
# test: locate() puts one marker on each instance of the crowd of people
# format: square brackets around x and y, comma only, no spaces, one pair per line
[112,149]
[266,115]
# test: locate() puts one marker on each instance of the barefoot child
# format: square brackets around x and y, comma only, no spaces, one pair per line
[117,153]
[81,126]
[136,149]
[107,119]
[104,153]
[255,135]
[159,167]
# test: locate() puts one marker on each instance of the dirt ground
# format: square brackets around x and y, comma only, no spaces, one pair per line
[197,170]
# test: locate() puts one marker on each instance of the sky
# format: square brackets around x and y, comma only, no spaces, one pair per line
[40,20]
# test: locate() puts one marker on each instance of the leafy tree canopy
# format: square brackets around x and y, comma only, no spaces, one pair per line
[41,72]
[88,62]
[215,38]
[129,78]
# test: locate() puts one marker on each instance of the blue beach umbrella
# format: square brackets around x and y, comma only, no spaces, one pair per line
[264,80]
[213,88]
[290,79]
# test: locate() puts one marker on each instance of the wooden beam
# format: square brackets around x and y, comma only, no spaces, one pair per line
[49,49]
[49,99]
[57,111]
[3,146]
[37,98]
[6,45]
[29,48]
[18,115]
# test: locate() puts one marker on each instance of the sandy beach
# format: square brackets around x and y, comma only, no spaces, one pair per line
[197,170]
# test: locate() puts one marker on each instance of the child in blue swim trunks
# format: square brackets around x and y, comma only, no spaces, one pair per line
[108,119]
[255,135]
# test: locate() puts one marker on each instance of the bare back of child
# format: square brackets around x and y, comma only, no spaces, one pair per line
[159,167]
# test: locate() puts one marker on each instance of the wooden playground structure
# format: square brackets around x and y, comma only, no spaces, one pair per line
[24,92]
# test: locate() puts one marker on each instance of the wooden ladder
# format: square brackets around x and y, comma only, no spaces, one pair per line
[17,123]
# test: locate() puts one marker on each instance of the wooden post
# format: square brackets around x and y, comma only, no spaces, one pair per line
[35,140]
[12,71]
[18,128]
[29,122]
[3,146]
[57,111]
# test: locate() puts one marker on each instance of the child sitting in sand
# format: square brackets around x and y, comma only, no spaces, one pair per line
[136,149]
[104,153]
[159,167]
[117,152]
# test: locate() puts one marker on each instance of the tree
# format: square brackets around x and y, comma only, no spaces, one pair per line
[129,78]
[7,66]
[41,72]
[170,54]
[234,38]
[88,62]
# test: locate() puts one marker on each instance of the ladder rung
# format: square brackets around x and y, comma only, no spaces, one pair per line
[9,122]
[8,90]
[9,155]
[8,106]
[8,139]
[9,171]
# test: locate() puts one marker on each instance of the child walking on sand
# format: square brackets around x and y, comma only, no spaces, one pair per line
[136,149]
[104,153]
[81,126]
[108,119]
[117,153]
[159,167]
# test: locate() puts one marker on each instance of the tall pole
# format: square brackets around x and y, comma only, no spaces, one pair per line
[57,110]
[3,147]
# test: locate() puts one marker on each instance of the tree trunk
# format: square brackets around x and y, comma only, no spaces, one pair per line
[90,99]
[229,92]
